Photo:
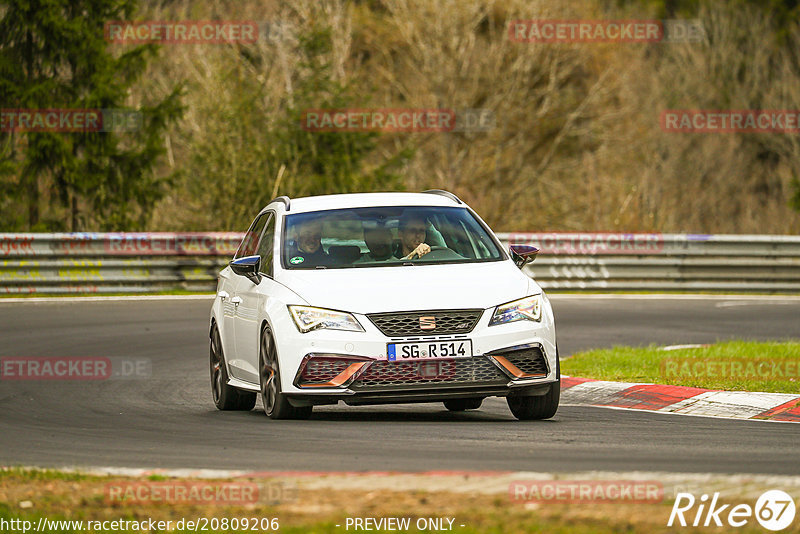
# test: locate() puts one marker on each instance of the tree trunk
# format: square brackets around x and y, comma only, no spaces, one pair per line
[33,202]
[73,227]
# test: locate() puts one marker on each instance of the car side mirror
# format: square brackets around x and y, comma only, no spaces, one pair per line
[249,266]
[523,254]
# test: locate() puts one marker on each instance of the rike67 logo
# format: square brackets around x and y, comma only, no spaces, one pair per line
[774,510]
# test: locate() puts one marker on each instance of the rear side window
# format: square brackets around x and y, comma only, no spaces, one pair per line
[250,242]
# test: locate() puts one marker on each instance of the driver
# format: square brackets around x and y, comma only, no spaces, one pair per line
[309,244]
[412,231]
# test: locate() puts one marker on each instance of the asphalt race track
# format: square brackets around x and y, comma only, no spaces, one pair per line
[168,420]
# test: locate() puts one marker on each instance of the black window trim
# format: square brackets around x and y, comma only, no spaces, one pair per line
[252,225]
[271,216]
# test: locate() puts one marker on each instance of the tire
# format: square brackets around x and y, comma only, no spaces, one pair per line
[541,407]
[275,403]
[225,397]
[459,405]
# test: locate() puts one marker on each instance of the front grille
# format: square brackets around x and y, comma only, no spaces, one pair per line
[530,361]
[322,370]
[409,324]
[477,370]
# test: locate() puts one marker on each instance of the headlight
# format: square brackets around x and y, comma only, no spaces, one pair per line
[307,319]
[527,309]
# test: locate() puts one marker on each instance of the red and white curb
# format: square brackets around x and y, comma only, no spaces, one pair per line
[683,400]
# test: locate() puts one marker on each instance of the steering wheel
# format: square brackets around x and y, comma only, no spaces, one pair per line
[438,253]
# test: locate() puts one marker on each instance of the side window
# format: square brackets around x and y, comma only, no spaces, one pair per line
[250,241]
[265,248]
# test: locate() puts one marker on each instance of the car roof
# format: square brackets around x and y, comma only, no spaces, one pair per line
[367,200]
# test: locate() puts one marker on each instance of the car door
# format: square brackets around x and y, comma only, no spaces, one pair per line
[231,305]
[225,290]
[252,300]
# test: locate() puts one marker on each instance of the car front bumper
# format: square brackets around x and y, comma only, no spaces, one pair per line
[512,359]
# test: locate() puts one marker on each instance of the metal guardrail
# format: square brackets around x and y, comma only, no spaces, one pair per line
[665,262]
[113,262]
[148,262]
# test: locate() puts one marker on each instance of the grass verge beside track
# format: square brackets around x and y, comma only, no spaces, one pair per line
[735,366]
[319,503]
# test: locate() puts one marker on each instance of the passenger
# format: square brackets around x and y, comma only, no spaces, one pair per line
[412,231]
[457,239]
[379,243]
[308,247]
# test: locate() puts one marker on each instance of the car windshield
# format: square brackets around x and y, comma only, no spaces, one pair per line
[385,236]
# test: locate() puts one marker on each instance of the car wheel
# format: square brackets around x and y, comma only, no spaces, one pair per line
[459,405]
[225,397]
[540,407]
[276,405]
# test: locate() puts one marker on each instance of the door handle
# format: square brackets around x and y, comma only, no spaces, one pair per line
[236,301]
[223,295]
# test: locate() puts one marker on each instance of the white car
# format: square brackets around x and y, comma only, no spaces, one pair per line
[380,298]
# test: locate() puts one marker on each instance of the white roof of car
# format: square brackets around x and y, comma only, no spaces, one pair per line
[366,200]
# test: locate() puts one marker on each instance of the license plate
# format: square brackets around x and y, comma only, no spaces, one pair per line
[428,350]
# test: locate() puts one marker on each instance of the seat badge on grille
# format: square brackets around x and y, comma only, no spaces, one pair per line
[427,323]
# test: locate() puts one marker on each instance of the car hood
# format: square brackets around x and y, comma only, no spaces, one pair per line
[419,287]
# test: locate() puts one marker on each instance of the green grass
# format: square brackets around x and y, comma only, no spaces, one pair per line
[15,473]
[734,365]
